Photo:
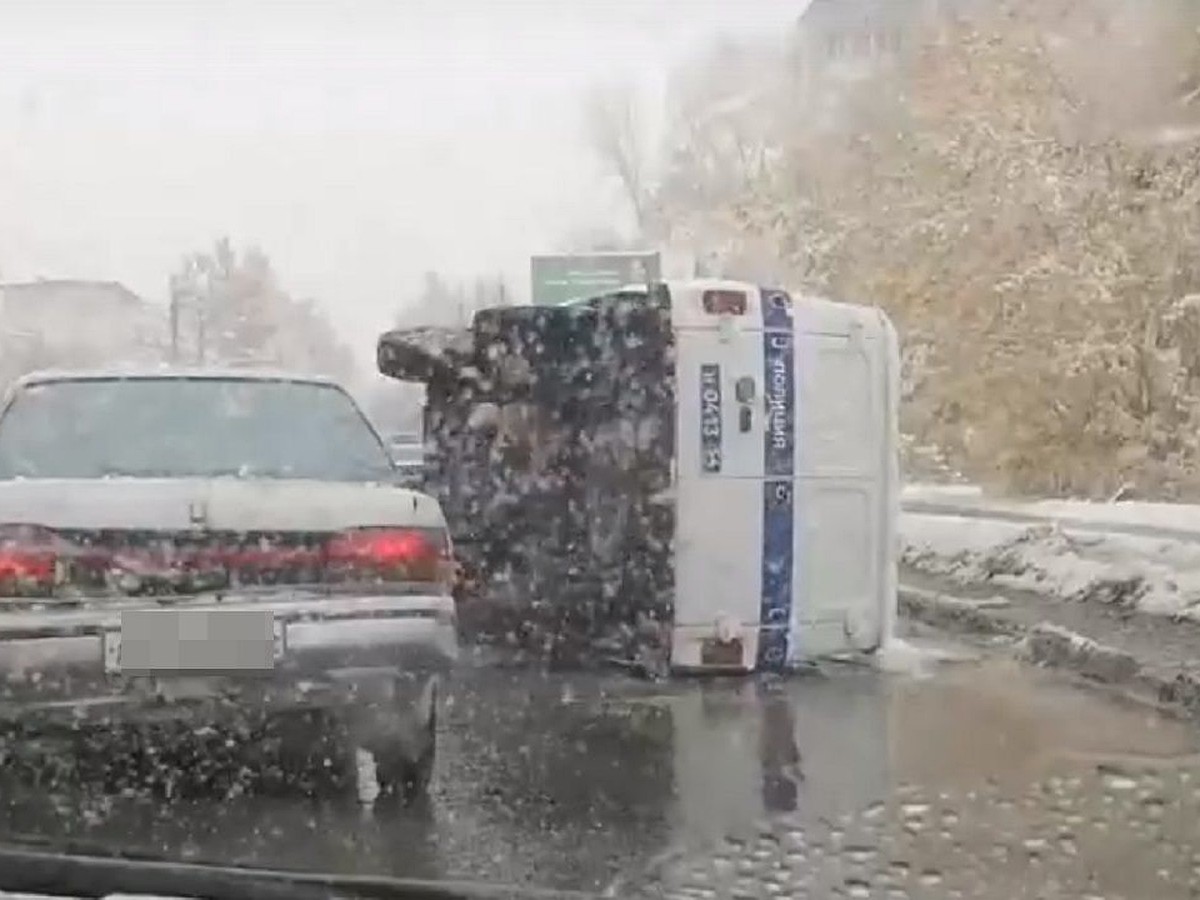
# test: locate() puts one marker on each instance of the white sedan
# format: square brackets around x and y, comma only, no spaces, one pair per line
[209,543]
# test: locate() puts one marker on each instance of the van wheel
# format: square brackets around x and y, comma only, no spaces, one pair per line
[404,770]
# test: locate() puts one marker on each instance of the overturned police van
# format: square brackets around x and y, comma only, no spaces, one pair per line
[703,470]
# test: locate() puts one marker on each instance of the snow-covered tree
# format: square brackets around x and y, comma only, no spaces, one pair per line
[230,308]
[1029,219]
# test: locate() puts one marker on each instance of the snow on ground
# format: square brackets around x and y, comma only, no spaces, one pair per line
[1178,516]
[1154,575]
[916,658]
[934,493]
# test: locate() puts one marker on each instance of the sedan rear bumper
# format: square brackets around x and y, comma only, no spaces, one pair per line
[332,654]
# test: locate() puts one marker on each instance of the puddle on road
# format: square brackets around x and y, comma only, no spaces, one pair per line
[992,780]
[1016,724]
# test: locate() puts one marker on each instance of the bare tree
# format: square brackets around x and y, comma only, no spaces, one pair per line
[443,303]
[597,239]
[618,136]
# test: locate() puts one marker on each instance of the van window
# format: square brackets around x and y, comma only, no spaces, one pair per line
[839,403]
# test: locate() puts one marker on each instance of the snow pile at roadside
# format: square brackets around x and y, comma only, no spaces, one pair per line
[915,658]
[1154,575]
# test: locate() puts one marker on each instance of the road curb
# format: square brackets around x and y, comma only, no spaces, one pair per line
[1055,647]
[972,617]
[1064,522]
[1059,648]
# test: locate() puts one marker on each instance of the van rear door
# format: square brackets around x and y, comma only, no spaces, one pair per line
[735,477]
[785,457]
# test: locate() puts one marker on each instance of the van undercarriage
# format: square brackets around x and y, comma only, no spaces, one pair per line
[550,440]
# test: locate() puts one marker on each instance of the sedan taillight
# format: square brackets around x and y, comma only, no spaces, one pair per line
[392,554]
[36,561]
[28,560]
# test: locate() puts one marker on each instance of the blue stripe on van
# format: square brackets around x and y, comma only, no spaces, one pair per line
[779,469]
[775,614]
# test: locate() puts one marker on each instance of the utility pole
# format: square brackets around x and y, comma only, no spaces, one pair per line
[173,312]
[201,293]
[200,333]
[188,309]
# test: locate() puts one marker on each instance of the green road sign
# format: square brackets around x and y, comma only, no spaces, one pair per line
[562,278]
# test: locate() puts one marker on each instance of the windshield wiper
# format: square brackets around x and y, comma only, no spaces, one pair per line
[65,872]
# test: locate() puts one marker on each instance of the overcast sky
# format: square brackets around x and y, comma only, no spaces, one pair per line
[358,143]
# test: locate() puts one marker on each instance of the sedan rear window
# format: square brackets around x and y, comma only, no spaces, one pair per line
[188,427]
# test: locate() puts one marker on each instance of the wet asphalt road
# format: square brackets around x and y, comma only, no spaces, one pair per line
[596,781]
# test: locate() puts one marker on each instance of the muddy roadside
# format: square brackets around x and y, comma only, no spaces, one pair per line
[1149,657]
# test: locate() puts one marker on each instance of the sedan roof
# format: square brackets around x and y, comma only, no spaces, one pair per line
[216,373]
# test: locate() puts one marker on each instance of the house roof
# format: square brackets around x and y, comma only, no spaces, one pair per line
[19,289]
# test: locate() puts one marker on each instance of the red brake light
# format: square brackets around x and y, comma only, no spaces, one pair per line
[392,554]
[383,548]
[731,303]
[26,565]
[28,560]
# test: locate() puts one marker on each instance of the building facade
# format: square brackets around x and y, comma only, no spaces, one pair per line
[840,45]
[74,323]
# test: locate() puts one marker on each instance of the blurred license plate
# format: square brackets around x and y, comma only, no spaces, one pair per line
[721,653]
[192,642]
[186,687]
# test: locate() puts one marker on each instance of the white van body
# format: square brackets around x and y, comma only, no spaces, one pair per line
[786,479]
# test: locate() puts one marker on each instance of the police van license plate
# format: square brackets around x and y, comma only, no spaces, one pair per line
[726,654]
